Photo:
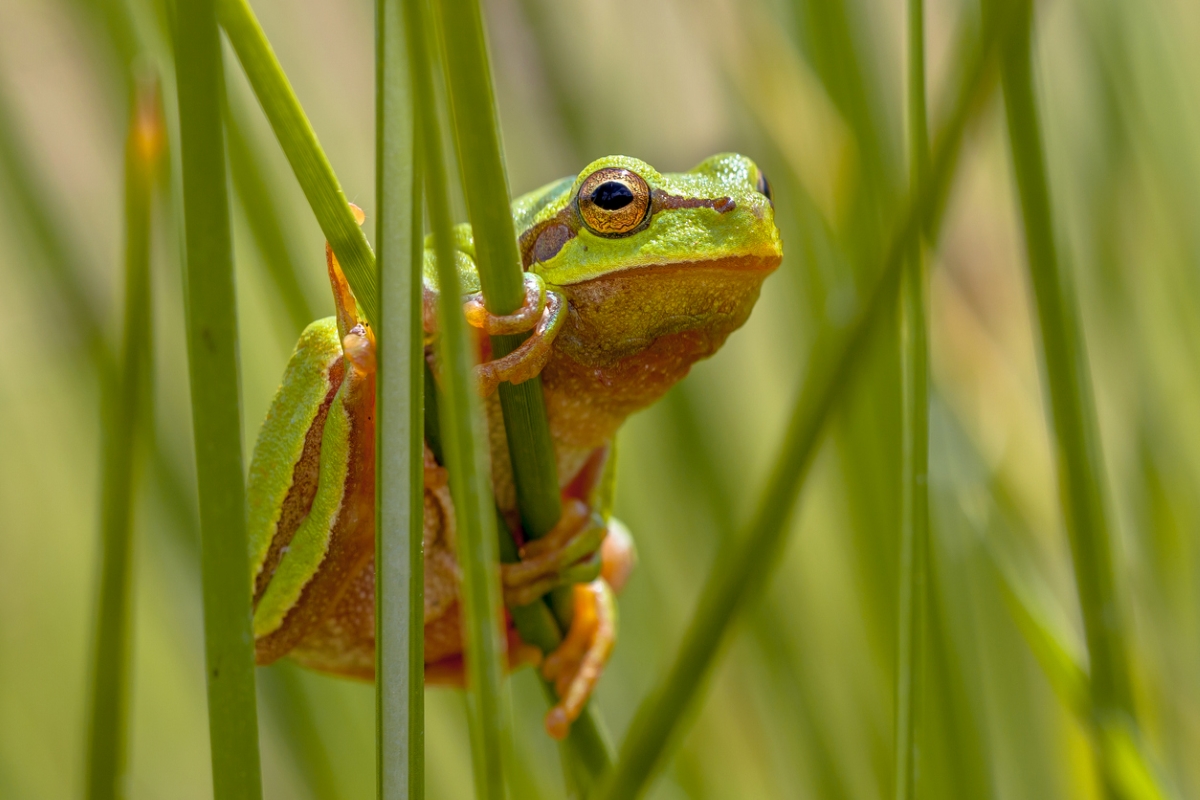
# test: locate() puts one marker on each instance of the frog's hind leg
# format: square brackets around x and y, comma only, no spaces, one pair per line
[568,554]
[449,670]
[576,666]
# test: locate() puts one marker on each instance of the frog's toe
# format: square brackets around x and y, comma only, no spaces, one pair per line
[521,320]
[543,311]
[568,554]
[576,666]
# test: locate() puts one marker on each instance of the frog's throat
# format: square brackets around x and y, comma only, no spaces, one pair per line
[755,266]
[620,314]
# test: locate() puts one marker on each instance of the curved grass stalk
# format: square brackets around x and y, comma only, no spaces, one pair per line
[730,587]
[399,494]
[299,142]
[462,438]
[126,417]
[914,360]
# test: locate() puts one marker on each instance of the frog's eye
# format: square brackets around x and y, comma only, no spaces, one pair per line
[764,186]
[613,201]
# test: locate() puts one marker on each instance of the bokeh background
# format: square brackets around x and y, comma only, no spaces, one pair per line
[802,703]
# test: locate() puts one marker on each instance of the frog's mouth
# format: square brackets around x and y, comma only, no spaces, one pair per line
[625,312]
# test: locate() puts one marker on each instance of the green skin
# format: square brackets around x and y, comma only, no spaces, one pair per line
[630,298]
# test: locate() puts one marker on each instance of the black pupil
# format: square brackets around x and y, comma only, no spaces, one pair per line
[612,196]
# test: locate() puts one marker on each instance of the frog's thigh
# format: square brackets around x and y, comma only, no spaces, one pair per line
[618,556]
[344,642]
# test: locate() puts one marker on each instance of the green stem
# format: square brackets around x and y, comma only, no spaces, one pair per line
[216,407]
[732,584]
[914,541]
[1069,389]
[303,151]
[462,437]
[399,494]
[126,417]
[481,162]
[527,429]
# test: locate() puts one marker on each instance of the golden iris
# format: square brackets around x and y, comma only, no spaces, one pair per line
[614,201]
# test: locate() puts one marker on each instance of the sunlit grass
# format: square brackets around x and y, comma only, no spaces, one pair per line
[802,704]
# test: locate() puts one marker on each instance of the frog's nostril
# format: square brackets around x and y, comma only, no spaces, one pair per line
[764,186]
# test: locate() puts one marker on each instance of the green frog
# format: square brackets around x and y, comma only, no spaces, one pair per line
[631,276]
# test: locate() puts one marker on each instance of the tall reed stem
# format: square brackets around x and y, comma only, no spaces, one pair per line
[126,421]
[527,429]
[216,407]
[399,494]
[732,583]
[462,438]
[1068,387]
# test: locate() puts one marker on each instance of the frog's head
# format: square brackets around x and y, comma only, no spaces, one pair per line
[643,256]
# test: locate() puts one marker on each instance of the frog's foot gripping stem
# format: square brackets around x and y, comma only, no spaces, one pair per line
[542,311]
[577,664]
[570,553]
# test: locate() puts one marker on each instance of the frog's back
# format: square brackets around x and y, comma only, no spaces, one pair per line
[282,438]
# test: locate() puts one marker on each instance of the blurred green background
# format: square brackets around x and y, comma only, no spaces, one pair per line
[802,704]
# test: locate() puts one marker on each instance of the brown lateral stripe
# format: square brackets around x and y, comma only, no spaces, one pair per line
[664,200]
[305,477]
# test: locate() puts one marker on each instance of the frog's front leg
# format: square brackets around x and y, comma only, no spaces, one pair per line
[542,311]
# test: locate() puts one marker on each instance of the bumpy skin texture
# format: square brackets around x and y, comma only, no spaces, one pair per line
[640,308]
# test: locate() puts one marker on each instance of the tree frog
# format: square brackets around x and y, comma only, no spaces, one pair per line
[631,277]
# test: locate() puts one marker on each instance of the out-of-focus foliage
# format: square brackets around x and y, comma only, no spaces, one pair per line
[802,705]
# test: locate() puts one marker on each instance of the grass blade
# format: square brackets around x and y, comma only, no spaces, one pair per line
[67,269]
[1129,764]
[481,162]
[299,142]
[1068,386]
[126,415]
[216,407]
[399,493]
[462,438]
[914,361]
[730,586]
